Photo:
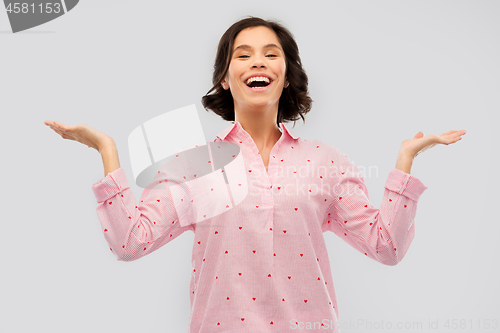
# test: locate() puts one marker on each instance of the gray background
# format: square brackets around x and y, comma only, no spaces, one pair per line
[380,71]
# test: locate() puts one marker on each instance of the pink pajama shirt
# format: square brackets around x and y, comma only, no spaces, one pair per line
[263,266]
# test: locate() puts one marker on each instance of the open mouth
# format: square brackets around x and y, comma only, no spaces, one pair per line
[258,82]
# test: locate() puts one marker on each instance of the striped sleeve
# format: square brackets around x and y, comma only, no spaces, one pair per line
[385,233]
[135,229]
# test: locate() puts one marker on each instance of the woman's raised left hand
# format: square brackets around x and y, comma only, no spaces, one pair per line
[421,143]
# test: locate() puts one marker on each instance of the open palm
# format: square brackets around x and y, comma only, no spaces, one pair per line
[421,143]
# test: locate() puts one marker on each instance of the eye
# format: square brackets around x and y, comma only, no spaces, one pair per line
[271,55]
[243,56]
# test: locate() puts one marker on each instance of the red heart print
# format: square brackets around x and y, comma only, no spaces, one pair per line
[296,209]
[242,319]
[239,274]
[218,323]
[105,230]
[216,232]
[365,254]
[123,246]
[366,205]
[253,251]
[203,259]
[284,231]
[234,155]
[249,170]
[204,216]
[216,277]
[211,189]
[271,229]
[158,200]
[227,206]
[390,199]
[371,223]
[225,252]
[122,194]
[257,206]
[241,227]
[345,234]
[281,160]
[271,323]
[253,298]
[319,279]
[110,202]
[283,299]
[405,206]
[317,146]
[394,249]
[305,301]
[345,221]
[199,242]
[279,187]
[340,198]
[301,254]
[289,277]
[269,275]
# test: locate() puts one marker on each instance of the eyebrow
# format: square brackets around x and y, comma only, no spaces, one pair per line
[245,46]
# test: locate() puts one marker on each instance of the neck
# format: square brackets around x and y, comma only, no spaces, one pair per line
[261,124]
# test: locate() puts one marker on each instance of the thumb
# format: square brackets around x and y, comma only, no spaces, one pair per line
[418,135]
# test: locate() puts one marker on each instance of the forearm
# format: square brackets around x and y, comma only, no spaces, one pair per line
[109,154]
[404,162]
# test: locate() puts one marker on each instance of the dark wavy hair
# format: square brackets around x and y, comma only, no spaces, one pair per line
[294,100]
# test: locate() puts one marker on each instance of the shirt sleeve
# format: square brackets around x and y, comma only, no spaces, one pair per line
[133,229]
[383,234]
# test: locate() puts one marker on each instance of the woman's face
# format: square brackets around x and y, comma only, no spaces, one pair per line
[257,53]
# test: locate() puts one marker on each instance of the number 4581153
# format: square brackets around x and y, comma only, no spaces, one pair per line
[32,8]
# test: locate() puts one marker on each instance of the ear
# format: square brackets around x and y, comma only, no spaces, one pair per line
[224,84]
[286,83]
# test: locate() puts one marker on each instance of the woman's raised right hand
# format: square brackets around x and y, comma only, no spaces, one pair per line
[85,134]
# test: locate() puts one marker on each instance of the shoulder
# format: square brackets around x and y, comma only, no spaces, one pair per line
[325,152]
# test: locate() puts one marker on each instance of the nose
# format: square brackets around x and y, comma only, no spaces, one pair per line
[258,61]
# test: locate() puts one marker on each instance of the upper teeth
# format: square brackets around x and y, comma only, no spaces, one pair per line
[257,78]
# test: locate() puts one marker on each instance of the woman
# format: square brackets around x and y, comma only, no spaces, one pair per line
[262,266]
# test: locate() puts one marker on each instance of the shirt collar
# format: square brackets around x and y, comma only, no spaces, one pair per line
[222,135]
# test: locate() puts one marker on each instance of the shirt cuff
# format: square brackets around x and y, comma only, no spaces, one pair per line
[111,185]
[403,183]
